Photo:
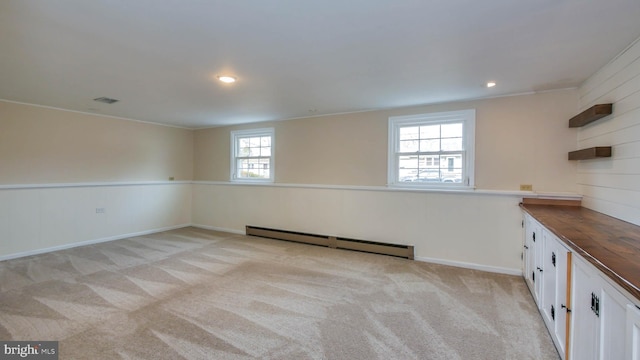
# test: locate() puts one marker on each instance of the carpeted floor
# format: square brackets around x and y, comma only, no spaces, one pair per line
[198,294]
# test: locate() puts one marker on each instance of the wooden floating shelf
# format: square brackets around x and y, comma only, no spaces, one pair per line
[591,153]
[590,115]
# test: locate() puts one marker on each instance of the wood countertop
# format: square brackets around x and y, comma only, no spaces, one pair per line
[610,244]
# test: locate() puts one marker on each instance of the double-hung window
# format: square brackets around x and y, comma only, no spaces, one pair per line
[432,150]
[252,155]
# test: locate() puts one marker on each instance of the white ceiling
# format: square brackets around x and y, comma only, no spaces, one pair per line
[297,58]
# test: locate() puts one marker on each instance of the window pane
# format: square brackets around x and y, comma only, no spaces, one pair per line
[430,132]
[254,151]
[452,130]
[265,141]
[452,144]
[265,151]
[408,133]
[243,151]
[430,145]
[253,168]
[451,168]
[409,145]
[407,175]
[451,161]
[408,162]
[254,141]
[428,176]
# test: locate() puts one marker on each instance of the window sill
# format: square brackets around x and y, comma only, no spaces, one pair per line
[467,190]
[252,181]
[434,187]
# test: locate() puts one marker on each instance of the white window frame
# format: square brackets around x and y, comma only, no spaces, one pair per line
[235,137]
[468,119]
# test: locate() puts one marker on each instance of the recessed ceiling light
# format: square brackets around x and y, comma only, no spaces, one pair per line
[491,84]
[227,79]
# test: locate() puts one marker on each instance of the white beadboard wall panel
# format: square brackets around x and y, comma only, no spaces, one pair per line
[626,115]
[619,196]
[610,185]
[24,219]
[169,206]
[620,62]
[625,212]
[89,224]
[58,221]
[621,85]
[119,199]
[454,227]
[617,137]
[368,216]
[630,150]
[609,166]
[5,245]
[39,219]
[616,181]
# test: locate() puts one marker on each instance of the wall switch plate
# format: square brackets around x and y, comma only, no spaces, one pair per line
[526,187]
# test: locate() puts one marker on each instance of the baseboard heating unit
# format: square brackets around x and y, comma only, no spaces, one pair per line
[404,251]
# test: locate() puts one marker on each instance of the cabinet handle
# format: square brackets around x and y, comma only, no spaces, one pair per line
[595,304]
[553,259]
[534,237]
[563,306]
[526,247]
[539,269]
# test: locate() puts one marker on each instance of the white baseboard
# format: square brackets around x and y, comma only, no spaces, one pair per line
[89,242]
[215,228]
[493,269]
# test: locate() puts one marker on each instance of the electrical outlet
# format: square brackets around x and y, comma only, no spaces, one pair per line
[99,210]
[526,187]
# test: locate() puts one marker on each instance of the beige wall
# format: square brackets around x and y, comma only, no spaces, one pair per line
[519,140]
[43,145]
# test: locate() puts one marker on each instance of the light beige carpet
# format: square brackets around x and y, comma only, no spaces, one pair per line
[198,294]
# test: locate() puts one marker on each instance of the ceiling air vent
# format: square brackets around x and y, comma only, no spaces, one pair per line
[106,100]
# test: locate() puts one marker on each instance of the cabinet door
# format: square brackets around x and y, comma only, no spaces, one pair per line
[562,302]
[613,313]
[633,333]
[531,240]
[534,234]
[548,276]
[584,321]
[527,252]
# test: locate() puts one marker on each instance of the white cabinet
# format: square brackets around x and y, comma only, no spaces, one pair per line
[532,256]
[633,333]
[588,316]
[584,324]
[546,273]
[555,283]
[599,316]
